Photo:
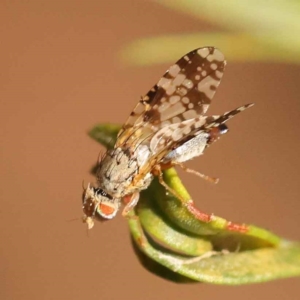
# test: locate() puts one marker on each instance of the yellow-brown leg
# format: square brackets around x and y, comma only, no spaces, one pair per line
[188,170]
[203,176]
[130,201]
[157,171]
[202,216]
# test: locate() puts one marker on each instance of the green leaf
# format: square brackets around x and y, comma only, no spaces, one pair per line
[105,134]
[210,249]
[248,16]
[235,46]
[163,231]
[245,31]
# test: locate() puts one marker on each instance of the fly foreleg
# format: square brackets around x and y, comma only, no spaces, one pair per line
[131,201]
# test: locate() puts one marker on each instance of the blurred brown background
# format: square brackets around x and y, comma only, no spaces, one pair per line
[60,75]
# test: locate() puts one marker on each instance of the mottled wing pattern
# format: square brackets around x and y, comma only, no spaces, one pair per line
[175,135]
[170,138]
[183,93]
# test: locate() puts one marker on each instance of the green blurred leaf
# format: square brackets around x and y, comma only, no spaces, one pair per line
[172,235]
[236,47]
[248,16]
[257,30]
[105,134]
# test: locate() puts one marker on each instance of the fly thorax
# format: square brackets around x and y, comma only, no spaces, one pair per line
[116,171]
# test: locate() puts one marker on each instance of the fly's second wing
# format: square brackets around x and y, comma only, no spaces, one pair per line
[190,138]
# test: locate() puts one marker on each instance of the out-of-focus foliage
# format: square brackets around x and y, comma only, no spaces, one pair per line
[256,30]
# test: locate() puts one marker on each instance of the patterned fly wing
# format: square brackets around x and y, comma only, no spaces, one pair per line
[173,143]
[176,135]
[183,93]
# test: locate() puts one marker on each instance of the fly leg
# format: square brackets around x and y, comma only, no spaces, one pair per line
[189,204]
[131,201]
[133,219]
[158,172]
[201,175]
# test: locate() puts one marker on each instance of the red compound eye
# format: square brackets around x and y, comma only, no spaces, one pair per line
[106,209]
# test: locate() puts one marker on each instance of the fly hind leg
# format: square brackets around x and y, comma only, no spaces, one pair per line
[201,175]
[189,204]
[188,170]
